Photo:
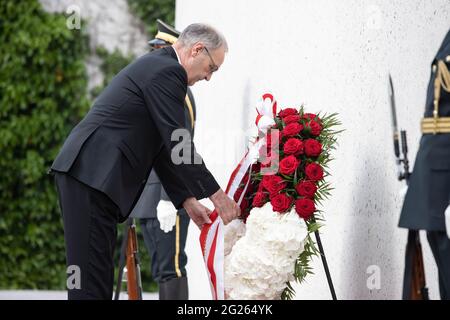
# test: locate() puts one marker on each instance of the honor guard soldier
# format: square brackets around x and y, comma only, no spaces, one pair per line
[427,200]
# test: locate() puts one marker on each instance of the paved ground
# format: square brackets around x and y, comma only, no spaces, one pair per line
[53,295]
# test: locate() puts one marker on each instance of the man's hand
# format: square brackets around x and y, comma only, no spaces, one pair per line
[227,209]
[198,212]
[167,215]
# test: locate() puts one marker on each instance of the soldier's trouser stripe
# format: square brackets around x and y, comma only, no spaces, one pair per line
[191,111]
[177,246]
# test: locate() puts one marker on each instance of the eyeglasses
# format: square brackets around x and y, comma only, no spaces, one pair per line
[212,67]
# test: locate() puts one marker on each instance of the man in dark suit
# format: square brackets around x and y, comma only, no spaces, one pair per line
[137,124]
[163,227]
[428,194]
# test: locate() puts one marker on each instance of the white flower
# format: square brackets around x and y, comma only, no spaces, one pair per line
[259,263]
[233,232]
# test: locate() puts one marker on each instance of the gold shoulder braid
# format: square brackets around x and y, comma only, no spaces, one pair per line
[438,124]
[166,37]
[191,111]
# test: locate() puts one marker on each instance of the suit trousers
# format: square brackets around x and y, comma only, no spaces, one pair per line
[90,231]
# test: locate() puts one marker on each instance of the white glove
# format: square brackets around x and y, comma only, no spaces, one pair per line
[167,215]
[447,221]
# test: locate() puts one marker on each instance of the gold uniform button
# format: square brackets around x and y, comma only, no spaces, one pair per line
[433,68]
[447,58]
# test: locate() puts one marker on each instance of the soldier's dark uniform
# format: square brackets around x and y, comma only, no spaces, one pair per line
[429,188]
[166,250]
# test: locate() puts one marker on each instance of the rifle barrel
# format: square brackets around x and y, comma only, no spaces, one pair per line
[394,117]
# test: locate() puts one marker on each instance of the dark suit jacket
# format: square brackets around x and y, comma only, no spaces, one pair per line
[128,132]
[429,187]
[153,192]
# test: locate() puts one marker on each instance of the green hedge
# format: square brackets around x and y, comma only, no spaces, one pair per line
[111,64]
[43,87]
[150,10]
[43,95]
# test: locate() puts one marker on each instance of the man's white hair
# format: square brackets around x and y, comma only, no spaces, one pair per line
[200,32]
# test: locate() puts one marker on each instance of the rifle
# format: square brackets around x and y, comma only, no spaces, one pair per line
[414,285]
[129,262]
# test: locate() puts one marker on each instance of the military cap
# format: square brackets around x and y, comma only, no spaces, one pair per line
[167,35]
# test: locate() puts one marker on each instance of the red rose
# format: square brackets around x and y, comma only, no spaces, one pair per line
[305,208]
[289,164]
[287,112]
[306,189]
[292,129]
[314,172]
[314,128]
[311,116]
[260,187]
[293,146]
[273,184]
[281,202]
[312,148]
[259,200]
[291,118]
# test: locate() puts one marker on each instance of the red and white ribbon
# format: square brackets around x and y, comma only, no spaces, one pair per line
[212,235]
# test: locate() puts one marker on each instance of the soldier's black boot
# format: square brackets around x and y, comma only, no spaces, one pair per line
[174,289]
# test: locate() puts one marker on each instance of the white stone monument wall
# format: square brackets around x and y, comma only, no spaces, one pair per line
[333,56]
[109,24]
